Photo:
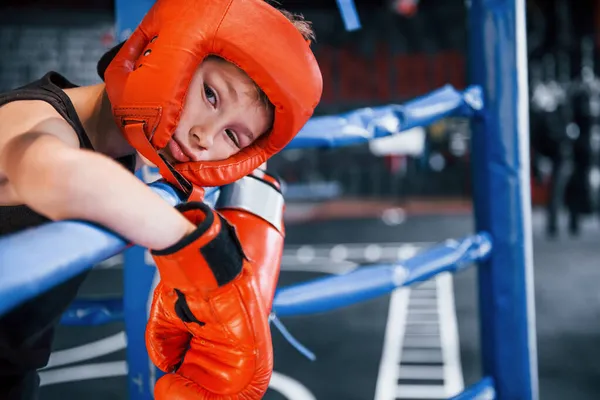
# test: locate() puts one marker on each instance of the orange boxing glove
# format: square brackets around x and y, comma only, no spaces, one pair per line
[209,321]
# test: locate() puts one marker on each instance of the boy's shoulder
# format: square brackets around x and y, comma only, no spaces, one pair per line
[22,116]
[41,105]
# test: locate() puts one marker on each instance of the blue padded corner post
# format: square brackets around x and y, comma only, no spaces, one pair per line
[501,194]
[128,15]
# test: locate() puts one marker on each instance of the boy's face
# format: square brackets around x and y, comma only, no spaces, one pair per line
[222,115]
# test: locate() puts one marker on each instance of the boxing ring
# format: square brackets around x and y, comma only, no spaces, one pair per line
[35,260]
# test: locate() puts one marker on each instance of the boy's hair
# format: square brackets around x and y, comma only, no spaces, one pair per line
[305,29]
[303,26]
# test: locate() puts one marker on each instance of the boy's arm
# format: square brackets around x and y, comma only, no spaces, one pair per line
[55,178]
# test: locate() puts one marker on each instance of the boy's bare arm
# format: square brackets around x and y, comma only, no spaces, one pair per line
[50,174]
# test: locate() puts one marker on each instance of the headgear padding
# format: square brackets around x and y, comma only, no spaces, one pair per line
[147,81]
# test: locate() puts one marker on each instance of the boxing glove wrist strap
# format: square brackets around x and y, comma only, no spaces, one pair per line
[209,257]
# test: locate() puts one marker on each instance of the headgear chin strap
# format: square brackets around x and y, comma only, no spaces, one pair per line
[148,79]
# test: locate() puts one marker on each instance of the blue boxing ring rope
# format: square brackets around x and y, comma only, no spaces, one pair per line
[497,104]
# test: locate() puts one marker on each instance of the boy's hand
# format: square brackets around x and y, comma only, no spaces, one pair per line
[208,326]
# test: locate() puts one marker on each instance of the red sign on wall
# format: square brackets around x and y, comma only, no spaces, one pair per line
[354,79]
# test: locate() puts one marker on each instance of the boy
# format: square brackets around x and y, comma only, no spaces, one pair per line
[202,123]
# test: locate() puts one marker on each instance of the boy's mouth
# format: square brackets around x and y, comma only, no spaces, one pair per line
[178,152]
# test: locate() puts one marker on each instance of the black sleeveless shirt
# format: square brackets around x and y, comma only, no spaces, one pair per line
[48,89]
[26,332]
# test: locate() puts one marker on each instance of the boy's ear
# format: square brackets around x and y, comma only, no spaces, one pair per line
[106,59]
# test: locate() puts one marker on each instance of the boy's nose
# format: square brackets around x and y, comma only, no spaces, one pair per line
[201,137]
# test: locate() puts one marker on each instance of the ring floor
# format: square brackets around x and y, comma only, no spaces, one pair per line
[349,343]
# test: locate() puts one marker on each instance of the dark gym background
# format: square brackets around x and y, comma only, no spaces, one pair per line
[396,198]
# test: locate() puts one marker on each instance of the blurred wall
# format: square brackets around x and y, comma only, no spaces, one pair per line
[33,42]
[391,59]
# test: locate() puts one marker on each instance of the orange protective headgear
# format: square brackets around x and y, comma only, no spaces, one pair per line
[148,79]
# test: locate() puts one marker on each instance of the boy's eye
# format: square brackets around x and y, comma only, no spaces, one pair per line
[233,137]
[210,95]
